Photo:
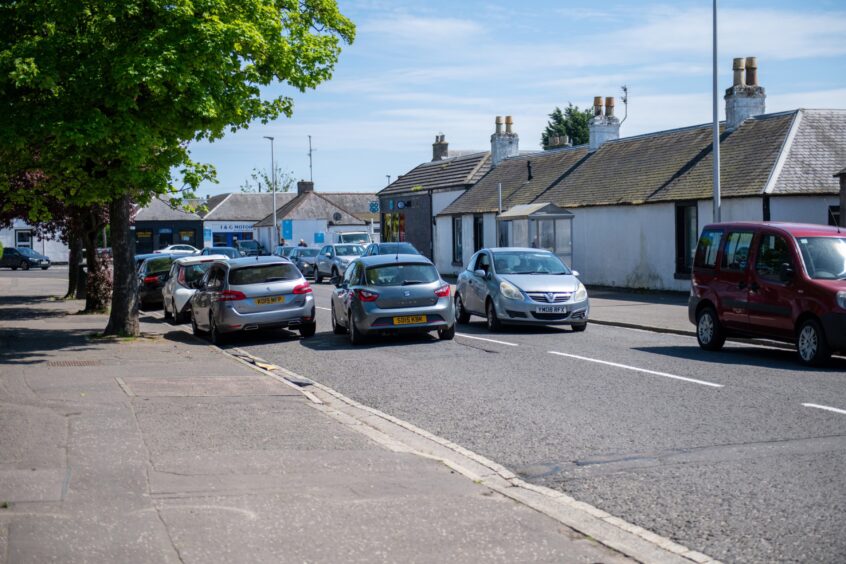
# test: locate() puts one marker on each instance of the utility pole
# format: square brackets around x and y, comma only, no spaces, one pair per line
[310,151]
[716,125]
[273,180]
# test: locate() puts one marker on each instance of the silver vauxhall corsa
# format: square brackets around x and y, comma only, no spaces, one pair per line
[391,293]
[252,293]
[521,286]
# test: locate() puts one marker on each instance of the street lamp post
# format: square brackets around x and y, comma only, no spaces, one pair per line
[273,180]
[716,126]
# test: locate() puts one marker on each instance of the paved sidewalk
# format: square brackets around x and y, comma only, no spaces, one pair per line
[656,311]
[163,449]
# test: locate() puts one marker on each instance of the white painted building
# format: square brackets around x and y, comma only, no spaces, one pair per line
[22,234]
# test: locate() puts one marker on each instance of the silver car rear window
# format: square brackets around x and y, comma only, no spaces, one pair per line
[401,274]
[262,273]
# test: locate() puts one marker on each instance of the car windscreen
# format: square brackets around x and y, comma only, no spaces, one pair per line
[400,274]
[824,257]
[397,248]
[193,272]
[347,250]
[528,262]
[307,252]
[263,273]
[158,264]
[226,251]
[27,252]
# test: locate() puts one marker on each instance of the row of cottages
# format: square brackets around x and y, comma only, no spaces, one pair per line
[315,217]
[627,212]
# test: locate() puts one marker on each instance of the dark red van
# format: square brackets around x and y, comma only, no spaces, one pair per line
[783,281]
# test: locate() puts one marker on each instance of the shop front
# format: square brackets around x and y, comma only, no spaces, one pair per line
[225,233]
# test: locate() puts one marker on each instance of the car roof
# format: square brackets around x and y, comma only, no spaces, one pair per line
[522,249]
[244,262]
[379,260]
[795,229]
[230,248]
[196,259]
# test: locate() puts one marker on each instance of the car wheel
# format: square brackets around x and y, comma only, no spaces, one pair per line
[215,336]
[167,314]
[335,273]
[337,328]
[308,330]
[494,324]
[179,317]
[447,333]
[317,277]
[709,333]
[355,337]
[811,344]
[24,265]
[194,327]
[44,267]
[579,327]
[13,267]
[462,316]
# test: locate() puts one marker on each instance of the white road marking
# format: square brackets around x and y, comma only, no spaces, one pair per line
[825,407]
[488,340]
[636,369]
[326,308]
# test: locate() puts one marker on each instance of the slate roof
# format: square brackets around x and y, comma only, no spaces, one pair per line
[455,172]
[356,203]
[241,206]
[312,205]
[517,189]
[841,173]
[818,147]
[161,210]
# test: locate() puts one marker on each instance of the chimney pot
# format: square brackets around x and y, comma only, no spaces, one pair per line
[503,145]
[752,71]
[597,105]
[498,125]
[508,123]
[609,106]
[738,66]
[440,148]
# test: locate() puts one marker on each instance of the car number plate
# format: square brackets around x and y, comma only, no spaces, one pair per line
[409,319]
[270,300]
[551,309]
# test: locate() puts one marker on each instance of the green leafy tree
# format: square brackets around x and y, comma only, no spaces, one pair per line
[104,97]
[262,181]
[571,122]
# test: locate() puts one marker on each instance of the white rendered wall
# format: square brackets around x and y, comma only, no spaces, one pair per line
[802,209]
[54,249]
[440,200]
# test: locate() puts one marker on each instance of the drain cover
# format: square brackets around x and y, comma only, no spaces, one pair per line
[58,363]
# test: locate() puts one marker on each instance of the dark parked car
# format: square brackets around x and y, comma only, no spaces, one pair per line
[304,258]
[23,258]
[374,249]
[391,294]
[139,259]
[250,248]
[252,293]
[229,252]
[781,281]
[152,275]
[283,250]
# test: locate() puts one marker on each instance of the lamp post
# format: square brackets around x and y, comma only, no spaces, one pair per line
[273,180]
[716,150]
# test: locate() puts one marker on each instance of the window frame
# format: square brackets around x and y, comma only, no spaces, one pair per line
[457,240]
[723,261]
[767,277]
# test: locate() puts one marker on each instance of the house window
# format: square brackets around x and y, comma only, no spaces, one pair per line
[478,233]
[834,215]
[23,238]
[165,237]
[186,236]
[457,247]
[394,227]
[504,233]
[687,231]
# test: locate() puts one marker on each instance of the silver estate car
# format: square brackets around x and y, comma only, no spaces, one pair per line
[521,286]
[252,293]
[332,260]
[391,293]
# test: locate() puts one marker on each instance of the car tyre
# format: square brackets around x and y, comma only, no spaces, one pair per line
[317,277]
[447,333]
[578,327]
[494,324]
[462,316]
[335,273]
[308,329]
[24,265]
[215,336]
[709,332]
[355,337]
[167,314]
[337,328]
[811,344]
[194,327]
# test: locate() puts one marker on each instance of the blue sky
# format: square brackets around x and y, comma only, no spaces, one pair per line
[418,69]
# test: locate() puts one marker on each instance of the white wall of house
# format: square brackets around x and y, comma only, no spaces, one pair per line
[54,249]
[443,246]
[489,227]
[802,209]
[440,200]
[732,209]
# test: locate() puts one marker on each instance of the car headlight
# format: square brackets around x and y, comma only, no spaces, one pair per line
[510,291]
[841,299]
[581,293]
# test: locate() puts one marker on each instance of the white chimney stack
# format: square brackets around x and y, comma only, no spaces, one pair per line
[745,98]
[504,145]
[603,127]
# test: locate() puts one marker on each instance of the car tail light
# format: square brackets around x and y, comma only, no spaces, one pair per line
[443,291]
[151,279]
[365,296]
[303,289]
[231,296]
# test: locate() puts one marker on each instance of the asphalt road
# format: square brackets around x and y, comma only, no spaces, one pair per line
[714,450]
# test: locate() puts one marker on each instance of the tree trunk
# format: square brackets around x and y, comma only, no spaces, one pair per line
[74,258]
[123,319]
[97,282]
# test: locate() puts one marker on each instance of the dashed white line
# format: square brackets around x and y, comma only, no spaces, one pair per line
[826,408]
[488,340]
[636,369]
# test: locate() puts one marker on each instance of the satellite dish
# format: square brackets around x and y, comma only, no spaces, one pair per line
[337,216]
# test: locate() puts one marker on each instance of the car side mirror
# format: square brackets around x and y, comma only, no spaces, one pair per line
[786,272]
[480,273]
[575,273]
[328,255]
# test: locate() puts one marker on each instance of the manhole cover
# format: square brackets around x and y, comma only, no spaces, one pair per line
[57,363]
